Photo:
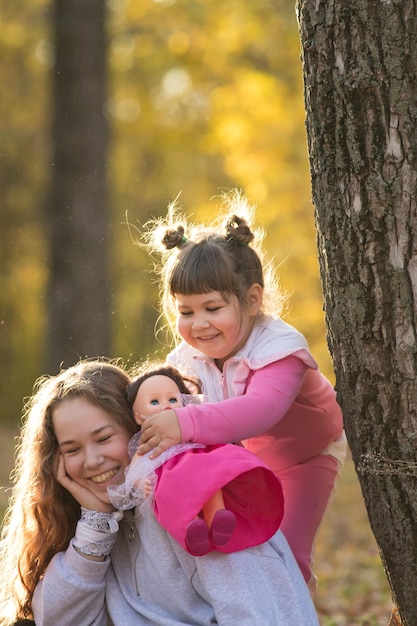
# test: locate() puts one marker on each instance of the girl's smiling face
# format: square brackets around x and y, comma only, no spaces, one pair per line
[94,447]
[217,327]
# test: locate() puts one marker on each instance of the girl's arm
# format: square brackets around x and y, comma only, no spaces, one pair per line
[270,393]
[72,591]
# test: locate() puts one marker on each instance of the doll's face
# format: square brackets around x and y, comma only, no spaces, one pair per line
[155,394]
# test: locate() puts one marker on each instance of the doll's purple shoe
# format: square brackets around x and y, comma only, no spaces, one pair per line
[222,527]
[197,537]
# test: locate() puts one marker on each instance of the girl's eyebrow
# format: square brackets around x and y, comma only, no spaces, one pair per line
[204,303]
[95,432]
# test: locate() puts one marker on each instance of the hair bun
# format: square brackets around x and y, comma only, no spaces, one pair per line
[174,238]
[238,230]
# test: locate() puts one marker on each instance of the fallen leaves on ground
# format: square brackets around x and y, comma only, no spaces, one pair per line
[353,589]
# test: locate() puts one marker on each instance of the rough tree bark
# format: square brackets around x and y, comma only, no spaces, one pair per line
[360,66]
[78,297]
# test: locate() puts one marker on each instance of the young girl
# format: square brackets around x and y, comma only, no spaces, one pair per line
[239,498]
[256,370]
[67,558]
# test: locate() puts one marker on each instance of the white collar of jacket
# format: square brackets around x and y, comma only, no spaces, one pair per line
[271,340]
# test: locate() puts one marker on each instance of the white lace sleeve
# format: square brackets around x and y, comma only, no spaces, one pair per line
[96,532]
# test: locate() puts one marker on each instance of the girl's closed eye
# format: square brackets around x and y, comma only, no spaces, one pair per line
[104,439]
[70,451]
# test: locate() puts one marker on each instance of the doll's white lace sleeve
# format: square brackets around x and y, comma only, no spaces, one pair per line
[140,476]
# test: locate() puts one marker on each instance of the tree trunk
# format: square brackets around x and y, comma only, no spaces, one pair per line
[359,66]
[78,298]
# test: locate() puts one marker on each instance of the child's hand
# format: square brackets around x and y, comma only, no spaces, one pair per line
[83,495]
[159,432]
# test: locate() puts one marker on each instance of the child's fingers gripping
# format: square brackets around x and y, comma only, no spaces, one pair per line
[154,444]
[164,424]
[159,432]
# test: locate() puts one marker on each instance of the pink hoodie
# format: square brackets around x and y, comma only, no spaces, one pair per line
[273,396]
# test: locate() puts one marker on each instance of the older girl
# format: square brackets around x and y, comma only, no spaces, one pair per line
[68,558]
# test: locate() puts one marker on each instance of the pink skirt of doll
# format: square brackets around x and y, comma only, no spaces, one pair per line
[250,490]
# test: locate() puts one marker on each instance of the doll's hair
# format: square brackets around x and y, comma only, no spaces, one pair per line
[42,515]
[227,257]
[186,384]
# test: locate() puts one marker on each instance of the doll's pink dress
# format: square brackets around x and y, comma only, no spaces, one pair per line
[186,475]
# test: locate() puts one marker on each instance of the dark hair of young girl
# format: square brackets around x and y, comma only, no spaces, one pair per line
[224,263]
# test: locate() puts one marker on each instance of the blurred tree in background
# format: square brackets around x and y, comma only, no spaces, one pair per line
[77,215]
[201,96]
[26,55]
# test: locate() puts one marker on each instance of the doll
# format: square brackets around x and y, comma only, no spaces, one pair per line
[208,497]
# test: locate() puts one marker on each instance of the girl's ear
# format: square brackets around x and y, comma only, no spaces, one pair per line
[254,298]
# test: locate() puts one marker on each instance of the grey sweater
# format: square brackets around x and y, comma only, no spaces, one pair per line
[150,579]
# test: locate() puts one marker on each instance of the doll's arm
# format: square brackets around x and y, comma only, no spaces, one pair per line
[147,483]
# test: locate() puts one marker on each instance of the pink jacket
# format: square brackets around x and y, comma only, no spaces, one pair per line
[274,398]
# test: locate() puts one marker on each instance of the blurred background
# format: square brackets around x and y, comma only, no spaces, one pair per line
[201,96]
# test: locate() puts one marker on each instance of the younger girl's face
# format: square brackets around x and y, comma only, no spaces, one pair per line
[93,445]
[156,394]
[216,327]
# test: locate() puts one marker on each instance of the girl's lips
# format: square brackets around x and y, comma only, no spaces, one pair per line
[105,476]
[207,338]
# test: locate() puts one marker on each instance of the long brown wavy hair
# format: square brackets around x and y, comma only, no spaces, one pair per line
[42,515]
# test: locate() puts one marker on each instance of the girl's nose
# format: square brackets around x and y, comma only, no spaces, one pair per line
[93,457]
[200,322]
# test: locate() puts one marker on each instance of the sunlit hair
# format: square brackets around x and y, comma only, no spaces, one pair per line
[227,257]
[42,515]
[185,384]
